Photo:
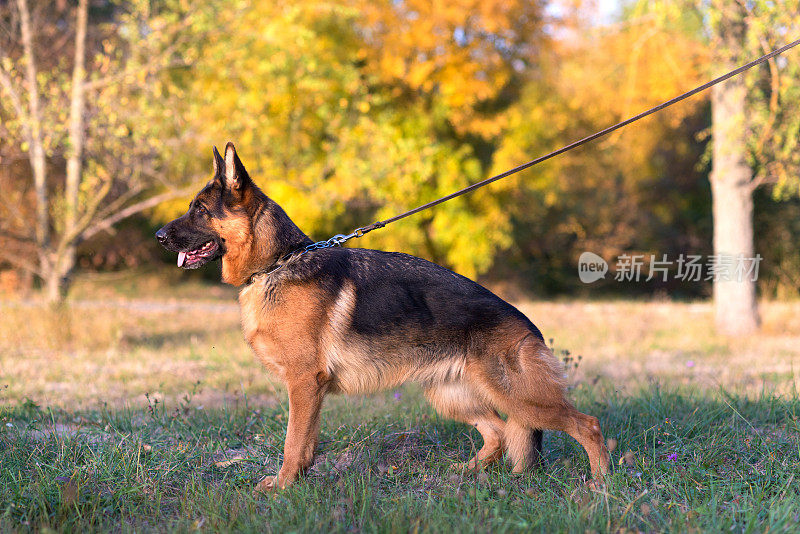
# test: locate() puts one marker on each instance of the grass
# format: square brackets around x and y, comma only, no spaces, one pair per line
[152,415]
[688,462]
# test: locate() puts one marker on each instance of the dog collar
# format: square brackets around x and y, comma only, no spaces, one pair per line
[335,241]
[274,267]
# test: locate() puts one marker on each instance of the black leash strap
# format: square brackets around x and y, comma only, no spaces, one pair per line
[339,239]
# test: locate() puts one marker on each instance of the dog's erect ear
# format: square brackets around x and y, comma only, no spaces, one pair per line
[235,175]
[219,165]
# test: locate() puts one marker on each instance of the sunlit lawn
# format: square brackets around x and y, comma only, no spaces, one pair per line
[154,416]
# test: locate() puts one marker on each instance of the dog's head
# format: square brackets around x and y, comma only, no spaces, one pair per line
[217,216]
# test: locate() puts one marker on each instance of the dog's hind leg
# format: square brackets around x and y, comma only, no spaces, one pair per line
[585,429]
[491,430]
[523,446]
[527,383]
[456,401]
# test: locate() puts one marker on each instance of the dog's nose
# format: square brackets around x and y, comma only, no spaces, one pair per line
[161,235]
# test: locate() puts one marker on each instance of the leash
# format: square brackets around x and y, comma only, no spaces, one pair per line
[335,241]
[339,239]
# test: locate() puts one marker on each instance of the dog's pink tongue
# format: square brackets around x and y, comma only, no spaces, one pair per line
[181,258]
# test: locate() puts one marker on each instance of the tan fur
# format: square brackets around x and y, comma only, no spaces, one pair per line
[284,336]
[237,235]
[355,370]
[461,402]
[518,441]
[246,246]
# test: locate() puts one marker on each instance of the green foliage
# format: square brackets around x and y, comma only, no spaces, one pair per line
[332,136]
[774,103]
[636,190]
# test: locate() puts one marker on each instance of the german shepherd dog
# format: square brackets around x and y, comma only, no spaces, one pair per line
[357,321]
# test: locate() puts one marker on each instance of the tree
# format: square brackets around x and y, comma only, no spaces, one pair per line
[735,303]
[107,147]
[346,120]
[633,192]
[755,127]
[659,50]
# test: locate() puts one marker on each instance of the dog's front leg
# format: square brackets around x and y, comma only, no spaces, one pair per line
[305,402]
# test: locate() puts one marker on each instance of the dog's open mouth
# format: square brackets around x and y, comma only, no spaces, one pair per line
[192,259]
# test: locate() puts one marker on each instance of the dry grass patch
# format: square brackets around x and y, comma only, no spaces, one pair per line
[94,353]
[91,354]
[634,343]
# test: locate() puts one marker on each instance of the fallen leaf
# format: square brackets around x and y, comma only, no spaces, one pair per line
[630,458]
[230,461]
[70,490]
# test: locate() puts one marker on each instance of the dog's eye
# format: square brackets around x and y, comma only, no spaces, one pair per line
[202,209]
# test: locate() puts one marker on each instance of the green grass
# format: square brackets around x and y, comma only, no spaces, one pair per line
[133,417]
[684,461]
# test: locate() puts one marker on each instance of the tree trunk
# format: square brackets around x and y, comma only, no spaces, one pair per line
[736,307]
[53,286]
[36,150]
[68,246]
[48,267]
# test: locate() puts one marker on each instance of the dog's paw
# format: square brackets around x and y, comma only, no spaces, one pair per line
[466,467]
[267,485]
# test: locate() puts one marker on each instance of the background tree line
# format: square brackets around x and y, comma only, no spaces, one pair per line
[348,111]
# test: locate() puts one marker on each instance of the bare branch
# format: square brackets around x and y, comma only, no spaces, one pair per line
[30,66]
[36,152]
[775,87]
[76,124]
[133,209]
[73,233]
[118,202]
[7,234]
[150,68]
[14,96]
[8,255]
[761,179]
